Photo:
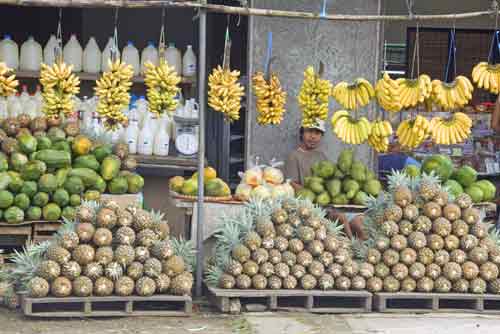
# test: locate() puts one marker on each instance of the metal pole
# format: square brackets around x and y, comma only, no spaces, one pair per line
[250,115]
[201,151]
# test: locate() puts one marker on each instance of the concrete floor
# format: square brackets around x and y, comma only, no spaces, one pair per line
[13,322]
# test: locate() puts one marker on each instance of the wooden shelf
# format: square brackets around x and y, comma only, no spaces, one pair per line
[168,162]
[92,77]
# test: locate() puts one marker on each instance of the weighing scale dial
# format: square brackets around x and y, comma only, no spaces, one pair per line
[186,142]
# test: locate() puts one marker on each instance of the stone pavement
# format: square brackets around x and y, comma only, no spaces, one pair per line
[13,322]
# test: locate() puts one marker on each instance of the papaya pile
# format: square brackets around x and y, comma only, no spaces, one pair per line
[47,167]
[463,179]
[346,182]
[214,186]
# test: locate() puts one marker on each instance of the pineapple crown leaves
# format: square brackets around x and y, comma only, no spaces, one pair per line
[25,265]
[259,207]
[335,227]
[185,249]
[494,234]
[228,235]
[371,228]
[377,204]
[397,179]
[213,274]
[157,216]
[360,247]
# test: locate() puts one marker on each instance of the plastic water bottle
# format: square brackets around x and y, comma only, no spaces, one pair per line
[145,140]
[9,52]
[15,107]
[174,58]
[149,54]
[37,97]
[92,57]
[189,62]
[132,134]
[4,112]
[31,55]
[73,53]
[24,97]
[130,55]
[49,53]
[106,55]
[162,139]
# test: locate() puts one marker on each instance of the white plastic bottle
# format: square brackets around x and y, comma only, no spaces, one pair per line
[132,134]
[31,55]
[149,54]
[9,52]
[174,58]
[49,52]
[189,62]
[162,139]
[106,55]
[92,57]
[30,107]
[15,107]
[37,97]
[73,53]
[4,111]
[24,97]
[130,55]
[145,139]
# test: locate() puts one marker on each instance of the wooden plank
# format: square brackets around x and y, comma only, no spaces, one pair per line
[15,230]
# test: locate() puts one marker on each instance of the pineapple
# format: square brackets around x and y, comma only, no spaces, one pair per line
[281,244]
[83,286]
[342,256]
[442,198]
[488,271]
[433,271]
[145,286]
[425,256]
[143,220]
[268,243]
[382,271]
[389,228]
[49,270]
[316,269]
[408,256]
[135,270]
[479,230]
[452,271]
[416,271]
[331,243]
[38,287]
[478,286]
[71,270]
[464,201]
[432,210]
[243,281]
[290,258]
[104,255]
[314,222]
[274,283]
[296,246]
[294,220]
[252,240]
[399,271]
[391,284]
[93,270]
[460,286]
[58,254]
[174,266]
[399,242]
[308,282]
[265,227]
[113,271]
[390,257]
[279,216]
[326,258]
[141,254]
[468,242]
[275,256]
[326,282]
[374,284]
[458,256]
[350,268]
[423,224]
[471,216]
[162,250]
[86,213]
[38,124]
[441,257]
[402,196]
[259,256]
[366,270]
[441,226]
[61,287]
[410,212]
[66,235]
[102,237]
[266,269]
[321,233]
[124,218]
[495,255]
[373,256]
[393,213]
[147,238]
[494,286]
[85,231]
[451,243]
[334,269]
[106,218]
[298,271]
[124,286]
[250,268]
[429,187]
[405,227]
[460,228]
[435,242]
[478,255]
[452,212]
[442,285]
[408,285]
[315,247]
[103,286]
[425,284]
[306,233]
[470,270]
[125,255]
[382,243]
[125,236]
[259,282]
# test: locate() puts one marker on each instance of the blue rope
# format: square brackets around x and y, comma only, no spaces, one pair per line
[323,11]
[494,38]
[453,49]
[269,51]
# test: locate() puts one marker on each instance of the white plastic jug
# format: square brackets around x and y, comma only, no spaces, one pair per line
[189,62]
[15,107]
[106,55]
[9,52]
[132,134]
[73,53]
[31,55]
[162,139]
[149,54]
[145,139]
[30,107]
[4,112]
[49,52]
[92,57]
[25,96]
[38,100]
[174,58]
[130,55]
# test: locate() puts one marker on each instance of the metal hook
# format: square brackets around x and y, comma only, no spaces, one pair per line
[409,6]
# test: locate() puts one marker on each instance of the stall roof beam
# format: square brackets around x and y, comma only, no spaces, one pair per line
[241,10]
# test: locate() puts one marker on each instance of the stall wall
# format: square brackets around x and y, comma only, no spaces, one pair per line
[348,50]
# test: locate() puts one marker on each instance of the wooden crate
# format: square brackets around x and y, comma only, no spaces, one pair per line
[43,230]
[313,301]
[405,302]
[113,306]
[13,237]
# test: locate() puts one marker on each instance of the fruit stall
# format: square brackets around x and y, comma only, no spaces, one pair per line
[74,195]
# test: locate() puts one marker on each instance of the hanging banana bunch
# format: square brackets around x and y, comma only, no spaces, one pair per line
[451,131]
[487,77]
[350,130]
[8,82]
[225,92]
[162,82]
[353,96]
[413,132]
[453,95]
[388,93]
[379,136]
[60,85]
[271,99]
[313,98]
[112,89]
[414,91]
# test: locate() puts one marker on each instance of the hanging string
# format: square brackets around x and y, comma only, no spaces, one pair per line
[269,53]
[416,54]
[161,42]
[409,6]
[227,46]
[323,10]
[455,48]
[451,54]
[58,48]
[494,39]
[114,47]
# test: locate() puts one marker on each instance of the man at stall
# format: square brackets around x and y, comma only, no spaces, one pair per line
[298,167]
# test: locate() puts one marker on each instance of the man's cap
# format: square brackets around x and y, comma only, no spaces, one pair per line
[317,125]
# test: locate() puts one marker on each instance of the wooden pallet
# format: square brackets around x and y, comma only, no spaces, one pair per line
[404,302]
[313,301]
[43,230]
[113,306]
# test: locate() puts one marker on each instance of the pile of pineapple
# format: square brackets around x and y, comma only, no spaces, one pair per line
[423,240]
[107,251]
[284,244]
